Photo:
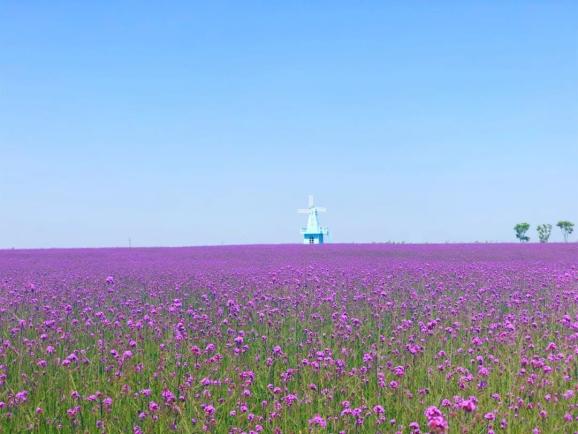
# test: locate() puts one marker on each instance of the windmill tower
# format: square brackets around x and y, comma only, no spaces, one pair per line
[313,233]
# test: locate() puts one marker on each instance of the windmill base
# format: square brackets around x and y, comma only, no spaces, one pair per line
[313,239]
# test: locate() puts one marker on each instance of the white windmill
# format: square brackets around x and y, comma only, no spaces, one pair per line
[313,233]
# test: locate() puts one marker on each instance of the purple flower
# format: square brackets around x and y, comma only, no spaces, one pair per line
[21,396]
[490,416]
[318,421]
[437,424]
[209,410]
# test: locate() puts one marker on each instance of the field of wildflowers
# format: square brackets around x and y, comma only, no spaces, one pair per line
[290,339]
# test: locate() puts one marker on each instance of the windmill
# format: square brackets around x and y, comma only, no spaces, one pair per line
[313,233]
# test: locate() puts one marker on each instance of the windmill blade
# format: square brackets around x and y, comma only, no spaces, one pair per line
[310,201]
[321,209]
[303,211]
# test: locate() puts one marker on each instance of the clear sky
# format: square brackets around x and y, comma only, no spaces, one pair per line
[176,123]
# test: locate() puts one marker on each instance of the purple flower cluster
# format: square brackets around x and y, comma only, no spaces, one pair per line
[285,339]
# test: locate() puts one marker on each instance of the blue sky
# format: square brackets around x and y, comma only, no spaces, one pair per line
[188,124]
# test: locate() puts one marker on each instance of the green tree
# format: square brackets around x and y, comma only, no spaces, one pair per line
[521,229]
[566,227]
[544,232]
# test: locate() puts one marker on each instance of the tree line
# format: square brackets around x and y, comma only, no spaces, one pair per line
[544,231]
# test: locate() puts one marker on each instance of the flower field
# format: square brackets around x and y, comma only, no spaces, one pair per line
[290,339]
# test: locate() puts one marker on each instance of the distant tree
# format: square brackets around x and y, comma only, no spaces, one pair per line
[566,227]
[521,229]
[544,232]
